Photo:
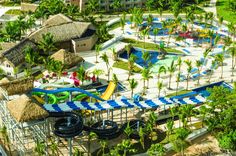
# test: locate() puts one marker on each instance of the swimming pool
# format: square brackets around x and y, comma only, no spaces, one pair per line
[153,58]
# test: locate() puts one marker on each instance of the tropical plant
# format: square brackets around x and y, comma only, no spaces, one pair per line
[169,125]
[122,21]
[171,70]
[114,54]
[142,134]
[177,83]
[81,74]
[155,32]
[54,147]
[189,69]
[219,58]
[202,113]
[98,48]
[179,63]
[78,152]
[157,150]
[104,145]
[40,148]
[92,6]
[149,4]
[133,84]
[126,146]
[128,49]
[144,33]
[28,72]
[15,71]
[128,130]
[98,72]
[146,75]
[47,44]
[232,51]
[161,69]
[198,64]
[159,87]
[180,143]
[131,62]
[115,81]
[145,57]
[105,59]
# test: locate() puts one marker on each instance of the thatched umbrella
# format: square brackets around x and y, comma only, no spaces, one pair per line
[23,109]
[67,58]
[4,80]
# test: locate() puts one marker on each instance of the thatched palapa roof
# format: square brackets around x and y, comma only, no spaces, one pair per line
[67,58]
[18,86]
[62,29]
[15,55]
[23,109]
[57,20]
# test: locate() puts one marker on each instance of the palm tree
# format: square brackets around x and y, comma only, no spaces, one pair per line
[210,33]
[114,54]
[30,55]
[171,70]
[179,63]
[161,69]
[98,72]
[180,143]
[177,83]
[198,65]
[122,21]
[103,144]
[214,62]
[220,21]
[133,84]
[98,48]
[160,8]
[146,75]
[232,51]
[159,87]
[47,44]
[220,60]
[145,57]
[156,150]
[144,33]
[131,62]
[92,5]
[155,33]
[115,81]
[142,136]
[128,49]
[202,113]
[189,69]
[91,136]
[169,125]
[28,72]
[104,57]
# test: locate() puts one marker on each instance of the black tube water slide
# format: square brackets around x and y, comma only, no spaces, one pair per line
[69,126]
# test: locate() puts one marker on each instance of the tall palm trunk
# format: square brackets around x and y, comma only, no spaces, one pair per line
[177,87]
[187,81]
[170,76]
[232,66]
[222,68]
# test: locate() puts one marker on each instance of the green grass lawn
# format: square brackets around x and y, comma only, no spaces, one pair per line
[14,12]
[124,65]
[149,46]
[224,11]
[178,93]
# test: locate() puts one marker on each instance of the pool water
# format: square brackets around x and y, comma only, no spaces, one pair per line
[153,59]
[138,52]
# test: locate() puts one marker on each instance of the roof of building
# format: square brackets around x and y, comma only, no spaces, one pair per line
[15,55]
[62,29]
[57,20]
[5,46]
[23,109]
[67,58]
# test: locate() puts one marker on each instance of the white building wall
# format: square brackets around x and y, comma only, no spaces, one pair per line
[9,70]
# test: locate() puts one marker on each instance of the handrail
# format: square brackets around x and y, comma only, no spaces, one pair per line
[68,90]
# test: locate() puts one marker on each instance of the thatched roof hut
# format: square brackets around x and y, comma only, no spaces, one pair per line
[57,20]
[18,86]
[67,58]
[62,28]
[15,55]
[23,109]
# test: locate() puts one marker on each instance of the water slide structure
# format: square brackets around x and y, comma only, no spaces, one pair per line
[53,99]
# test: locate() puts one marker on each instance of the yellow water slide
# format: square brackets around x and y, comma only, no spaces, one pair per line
[109,91]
